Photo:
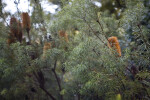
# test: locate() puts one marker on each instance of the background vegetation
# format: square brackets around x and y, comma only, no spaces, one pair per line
[75,61]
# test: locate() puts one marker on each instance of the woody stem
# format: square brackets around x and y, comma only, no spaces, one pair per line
[28,31]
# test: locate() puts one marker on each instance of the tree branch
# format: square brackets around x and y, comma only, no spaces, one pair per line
[48,93]
[28,31]
[57,79]
[118,3]
[95,33]
[42,86]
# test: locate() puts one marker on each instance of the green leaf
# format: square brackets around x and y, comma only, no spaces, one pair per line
[63,91]
[4,91]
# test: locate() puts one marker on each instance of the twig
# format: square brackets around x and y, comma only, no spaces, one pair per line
[1,13]
[96,52]
[78,96]
[1,6]
[4,20]
[95,33]
[144,40]
[16,3]
[100,25]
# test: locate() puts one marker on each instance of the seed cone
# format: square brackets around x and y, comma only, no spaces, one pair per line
[113,43]
[26,21]
[63,34]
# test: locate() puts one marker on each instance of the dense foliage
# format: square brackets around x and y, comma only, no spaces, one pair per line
[77,61]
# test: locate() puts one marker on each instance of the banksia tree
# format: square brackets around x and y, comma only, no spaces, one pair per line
[113,43]
[26,23]
[63,34]
[79,67]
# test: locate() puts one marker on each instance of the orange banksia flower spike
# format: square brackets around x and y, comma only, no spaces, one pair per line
[47,46]
[64,35]
[13,26]
[26,21]
[13,31]
[113,43]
